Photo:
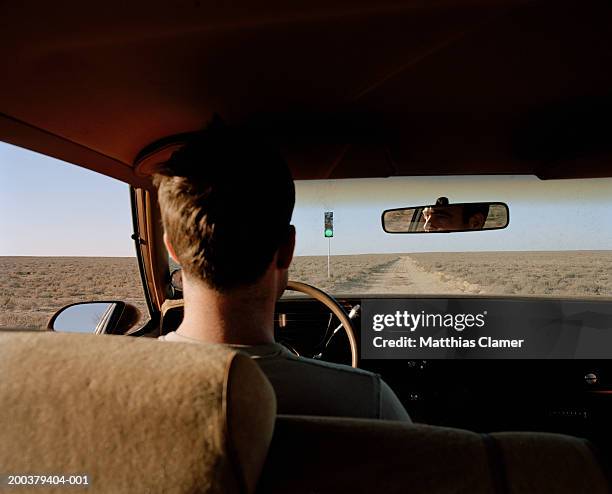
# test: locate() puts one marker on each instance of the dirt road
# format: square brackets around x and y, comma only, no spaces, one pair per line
[406,276]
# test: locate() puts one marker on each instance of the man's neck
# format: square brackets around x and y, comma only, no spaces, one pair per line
[244,316]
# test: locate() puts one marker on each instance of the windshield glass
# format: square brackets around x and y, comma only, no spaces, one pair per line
[557,242]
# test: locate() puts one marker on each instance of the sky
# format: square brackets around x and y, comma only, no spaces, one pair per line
[544,215]
[51,208]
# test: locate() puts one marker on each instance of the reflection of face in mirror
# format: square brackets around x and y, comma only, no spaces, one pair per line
[445,217]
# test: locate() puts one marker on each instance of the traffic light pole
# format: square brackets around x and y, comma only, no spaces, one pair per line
[328,232]
[328,255]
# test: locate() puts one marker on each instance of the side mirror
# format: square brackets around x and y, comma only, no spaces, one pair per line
[176,283]
[447,218]
[113,317]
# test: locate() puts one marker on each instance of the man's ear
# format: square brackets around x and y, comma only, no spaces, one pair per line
[170,249]
[285,251]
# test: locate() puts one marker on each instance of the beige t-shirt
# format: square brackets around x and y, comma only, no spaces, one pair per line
[305,386]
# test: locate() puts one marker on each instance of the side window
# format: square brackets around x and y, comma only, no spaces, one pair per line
[65,238]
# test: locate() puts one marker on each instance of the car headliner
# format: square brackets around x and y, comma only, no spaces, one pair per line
[346,88]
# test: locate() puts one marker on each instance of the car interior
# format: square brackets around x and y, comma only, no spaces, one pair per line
[346,90]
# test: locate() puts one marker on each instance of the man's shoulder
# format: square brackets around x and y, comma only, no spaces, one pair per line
[327,367]
[326,388]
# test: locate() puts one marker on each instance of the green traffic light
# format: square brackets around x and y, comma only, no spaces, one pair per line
[329,232]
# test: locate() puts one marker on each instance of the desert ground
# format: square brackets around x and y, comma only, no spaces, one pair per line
[33,288]
[560,274]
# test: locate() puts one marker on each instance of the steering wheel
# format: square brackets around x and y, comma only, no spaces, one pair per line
[333,306]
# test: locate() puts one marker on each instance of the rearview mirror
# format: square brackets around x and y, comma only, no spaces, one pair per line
[444,217]
[112,317]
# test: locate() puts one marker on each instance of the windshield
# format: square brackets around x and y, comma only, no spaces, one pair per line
[557,242]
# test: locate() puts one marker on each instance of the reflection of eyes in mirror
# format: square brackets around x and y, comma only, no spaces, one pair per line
[454,218]
[446,218]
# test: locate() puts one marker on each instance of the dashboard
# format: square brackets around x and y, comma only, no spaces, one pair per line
[555,395]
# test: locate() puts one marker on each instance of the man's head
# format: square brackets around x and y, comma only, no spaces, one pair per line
[459,217]
[226,202]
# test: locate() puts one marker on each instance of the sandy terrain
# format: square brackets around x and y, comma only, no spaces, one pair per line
[563,274]
[346,271]
[405,276]
[33,288]
[574,273]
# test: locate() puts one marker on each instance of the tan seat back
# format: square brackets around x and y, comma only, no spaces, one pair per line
[328,455]
[134,415]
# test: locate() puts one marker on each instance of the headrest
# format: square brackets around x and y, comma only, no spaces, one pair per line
[133,414]
[396,457]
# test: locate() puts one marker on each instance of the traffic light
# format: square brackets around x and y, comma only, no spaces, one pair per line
[328,228]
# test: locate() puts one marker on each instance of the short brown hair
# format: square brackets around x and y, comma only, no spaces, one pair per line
[226,201]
